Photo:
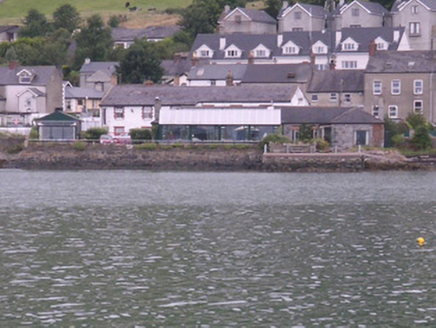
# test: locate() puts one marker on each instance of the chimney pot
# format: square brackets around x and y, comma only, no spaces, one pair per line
[372,48]
[13,64]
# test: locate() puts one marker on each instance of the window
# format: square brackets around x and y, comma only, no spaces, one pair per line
[297,29]
[118,130]
[204,53]
[290,50]
[147,113]
[232,53]
[414,28]
[333,96]
[80,102]
[376,88]
[68,103]
[24,78]
[320,67]
[381,46]
[414,9]
[347,97]
[355,12]
[297,15]
[213,82]
[119,113]
[349,64]
[348,46]
[376,111]
[238,18]
[393,111]
[355,26]
[418,106]
[315,98]
[396,87]
[418,87]
[361,137]
[319,49]
[260,53]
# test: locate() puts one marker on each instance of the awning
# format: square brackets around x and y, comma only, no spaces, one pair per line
[220,116]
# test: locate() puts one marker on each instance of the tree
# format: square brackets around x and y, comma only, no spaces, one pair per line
[66,17]
[94,41]
[141,63]
[272,7]
[35,24]
[421,138]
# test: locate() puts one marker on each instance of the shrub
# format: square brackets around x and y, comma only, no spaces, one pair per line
[78,145]
[277,138]
[146,146]
[415,120]
[139,135]
[114,21]
[34,133]
[421,139]
[94,133]
[15,149]
[321,144]
[398,141]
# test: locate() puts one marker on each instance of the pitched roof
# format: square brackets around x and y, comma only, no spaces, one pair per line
[9,28]
[161,32]
[255,15]
[278,73]
[217,72]
[76,92]
[365,35]
[58,116]
[176,67]
[42,74]
[141,95]
[372,7]
[399,5]
[337,81]
[402,62]
[127,34]
[327,115]
[92,67]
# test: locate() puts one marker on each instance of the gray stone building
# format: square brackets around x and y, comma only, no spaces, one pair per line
[361,14]
[301,17]
[242,20]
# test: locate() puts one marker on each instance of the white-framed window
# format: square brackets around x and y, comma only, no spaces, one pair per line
[25,79]
[238,18]
[232,53]
[349,64]
[418,106]
[355,12]
[213,83]
[414,9]
[320,67]
[333,96]
[348,46]
[361,137]
[381,46]
[347,97]
[376,87]
[376,111]
[204,53]
[297,15]
[290,50]
[119,113]
[319,49]
[393,111]
[260,53]
[418,87]
[396,87]
[147,112]
[415,28]
[314,98]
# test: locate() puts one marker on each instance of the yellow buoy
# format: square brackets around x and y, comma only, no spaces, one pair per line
[421,241]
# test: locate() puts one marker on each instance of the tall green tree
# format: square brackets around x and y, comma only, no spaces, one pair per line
[141,63]
[66,17]
[272,7]
[35,24]
[94,41]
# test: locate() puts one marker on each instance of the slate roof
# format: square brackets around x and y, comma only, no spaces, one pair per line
[9,28]
[141,95]
[152,32]
[373,8]
[76,92]
[42,74]
[255,15]
[108,67]
[365,35]
[37,92]
[327,115]
[57,116]
[305,40]
[399,5]
[176,68]
[161,32]
[278,73]
[402,62]
[330,81]
[217,72]
[314,10]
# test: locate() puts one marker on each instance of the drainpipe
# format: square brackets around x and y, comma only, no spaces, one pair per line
[431,97]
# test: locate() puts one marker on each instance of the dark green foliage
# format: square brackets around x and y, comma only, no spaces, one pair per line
[395,128]
[399,141]
[35,24]
[94,41]
[66,17]
[305,133]
[94,133]
[80,146]
[34,133]
[114,21]
[139,135]
[276,138]
[421,138]
[272,7]
[140,64]
[416,120]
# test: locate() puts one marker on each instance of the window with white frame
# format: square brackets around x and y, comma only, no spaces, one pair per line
[348,46]
[232,53]
[414,28]
[361,137]
[25,78]
[393,111]
[395,87]
[290,50]
[119,113]
[204,53]
[349,64]
[355,12]
[260,53]
[314,98]
[213,83]
[320,67]
[333,96]
[347,97]
[297,15]
[376,111]
[414,10]
[381,46]
[418,87]
[418,106]
[376,87]
[147,113]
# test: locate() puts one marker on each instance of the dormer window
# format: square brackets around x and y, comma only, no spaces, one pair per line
[319,50]
[204,53]
[260,53]
[232,53]
[290,50]
[380,46]
[348,46]
[25,79]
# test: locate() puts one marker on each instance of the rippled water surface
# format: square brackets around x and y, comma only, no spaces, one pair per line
[178,249]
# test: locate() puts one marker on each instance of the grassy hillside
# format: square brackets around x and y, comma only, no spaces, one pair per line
[12,11]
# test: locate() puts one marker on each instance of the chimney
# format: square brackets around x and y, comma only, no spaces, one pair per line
[279,40]
[226,8]
[87,60]
[194,59]
[157,107]
[312,61]
[372,48]
[332,64]
[338,37]
[177,57]
[13,64]
[222,43]
[341,3]
[251,57]
[285,4]
[229,79]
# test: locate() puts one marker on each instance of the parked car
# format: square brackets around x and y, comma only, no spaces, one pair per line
[122,139]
